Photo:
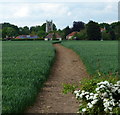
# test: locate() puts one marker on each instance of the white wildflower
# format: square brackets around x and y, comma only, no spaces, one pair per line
[94,101]
[90,105]
[102,86]
[91,97]
[77,91]
[83,91]
[86,92]
[118,82]
[97,89]
[81,95]
[119,104]
[84,109]
[105,95]
[106,104]
[110,108]
[87,97]
[91,94]
[113,90]
[119,91]
[95,96]
[77,95]
[105,109]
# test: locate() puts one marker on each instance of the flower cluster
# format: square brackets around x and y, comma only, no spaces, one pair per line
[106,94]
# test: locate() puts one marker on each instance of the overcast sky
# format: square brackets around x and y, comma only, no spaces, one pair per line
[24,13]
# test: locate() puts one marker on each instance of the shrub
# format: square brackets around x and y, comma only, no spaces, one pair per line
[106,99]
[97,95]
[82,35]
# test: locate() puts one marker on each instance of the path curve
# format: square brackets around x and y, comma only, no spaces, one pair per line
[68,68]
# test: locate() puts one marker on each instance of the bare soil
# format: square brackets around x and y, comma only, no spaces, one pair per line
[68,68]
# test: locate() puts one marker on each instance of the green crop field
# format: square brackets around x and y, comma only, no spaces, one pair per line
[99,56]
[25,66]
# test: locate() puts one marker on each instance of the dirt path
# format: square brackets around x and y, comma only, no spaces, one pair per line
[68,68]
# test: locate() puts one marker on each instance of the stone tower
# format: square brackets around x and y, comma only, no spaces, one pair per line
[49,26]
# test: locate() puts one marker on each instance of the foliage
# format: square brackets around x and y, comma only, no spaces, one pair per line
[105,36]
[93,31]
[66,31]
[104,99]
[54,36]
[69,88]
[106,26]
[11,30]
[112,35]
[90,94]
[77,26]
[98,56]
[82,35]
[25,66]
[41,33]
[25,30]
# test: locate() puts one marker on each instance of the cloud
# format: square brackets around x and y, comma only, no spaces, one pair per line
[50,10]
[21,12]
[62,14]
[57,1]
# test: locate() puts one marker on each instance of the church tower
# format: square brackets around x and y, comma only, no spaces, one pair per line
[49,26]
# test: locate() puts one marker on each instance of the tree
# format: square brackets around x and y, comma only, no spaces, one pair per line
[112,35]
[93,31]
[116,29]
[66,31]
[82,35]
[54,36]
[32,29]
[105,36]
[106,26]
[26,30]
[54,27]
[8,32]
[41,33]
[77,26]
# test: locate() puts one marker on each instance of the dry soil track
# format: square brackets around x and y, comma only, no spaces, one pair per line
[68,68]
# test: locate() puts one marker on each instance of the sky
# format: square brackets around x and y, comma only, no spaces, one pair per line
[29,13]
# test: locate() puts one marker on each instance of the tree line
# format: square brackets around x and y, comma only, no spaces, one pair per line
[94,31]
[90,31]
[10,30]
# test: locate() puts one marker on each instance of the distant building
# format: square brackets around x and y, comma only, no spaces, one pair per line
[27,36]
[69,36]
[102,29]
[50,36]
[49,26]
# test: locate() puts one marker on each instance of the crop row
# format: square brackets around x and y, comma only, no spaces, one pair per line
[25,67]
[98,56]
